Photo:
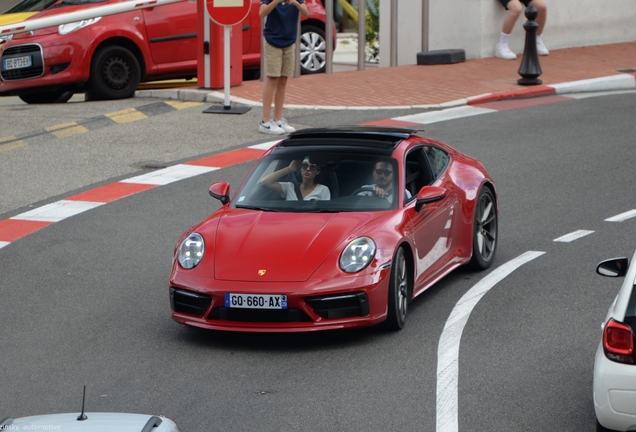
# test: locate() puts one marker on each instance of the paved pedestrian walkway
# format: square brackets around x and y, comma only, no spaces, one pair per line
[434,85]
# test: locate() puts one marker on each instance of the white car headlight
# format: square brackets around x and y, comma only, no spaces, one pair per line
[65,29]
[191,251]
[4,39]
[357,255]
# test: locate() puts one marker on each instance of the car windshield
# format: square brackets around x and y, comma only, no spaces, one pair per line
[341,182]
[31,6]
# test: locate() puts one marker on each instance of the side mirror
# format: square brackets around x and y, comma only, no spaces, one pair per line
[429,194]
[615,267]
[220,191]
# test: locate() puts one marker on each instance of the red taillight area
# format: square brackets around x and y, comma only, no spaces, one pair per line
[618,342]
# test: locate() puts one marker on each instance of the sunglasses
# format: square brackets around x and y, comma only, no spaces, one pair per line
[384,172]
[311,167]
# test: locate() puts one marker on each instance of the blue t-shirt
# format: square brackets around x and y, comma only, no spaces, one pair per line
[281,27]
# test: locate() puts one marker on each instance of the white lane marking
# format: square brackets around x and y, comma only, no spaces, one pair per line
[573,236]
[622,217]
[443,115]
[57,211]
[169,175]
[448,349]
[588,95]
[3,244]
[264,146]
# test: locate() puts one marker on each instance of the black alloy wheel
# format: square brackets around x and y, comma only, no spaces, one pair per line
[398,292]
[484,230]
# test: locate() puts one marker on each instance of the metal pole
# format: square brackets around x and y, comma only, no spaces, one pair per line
[362,33]
[329,36]
[226,67]
[207,79]
[394,34]
[297,51]
[425,26]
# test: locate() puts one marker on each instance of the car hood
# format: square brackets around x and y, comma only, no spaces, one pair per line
[285,247]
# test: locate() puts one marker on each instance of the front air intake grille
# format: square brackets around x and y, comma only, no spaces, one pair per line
[189,302]
[340,306]
[259,315]
[36,69]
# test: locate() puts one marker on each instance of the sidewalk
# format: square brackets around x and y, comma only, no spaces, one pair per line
[614,67]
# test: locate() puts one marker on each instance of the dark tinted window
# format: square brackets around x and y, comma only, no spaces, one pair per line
[438,159]
[31,6]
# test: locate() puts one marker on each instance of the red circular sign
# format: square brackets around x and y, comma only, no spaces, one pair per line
[228,12]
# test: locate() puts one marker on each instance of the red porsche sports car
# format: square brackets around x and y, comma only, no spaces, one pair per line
[385,214]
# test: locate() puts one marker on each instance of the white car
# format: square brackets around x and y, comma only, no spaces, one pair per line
[615,362]
[91,422]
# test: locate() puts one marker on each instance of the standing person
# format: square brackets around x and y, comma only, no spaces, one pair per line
[280,52]
[515,7]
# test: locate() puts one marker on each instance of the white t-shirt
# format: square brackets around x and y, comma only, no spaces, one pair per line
[320,192]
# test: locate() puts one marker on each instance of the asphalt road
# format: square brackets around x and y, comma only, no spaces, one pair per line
[85,300]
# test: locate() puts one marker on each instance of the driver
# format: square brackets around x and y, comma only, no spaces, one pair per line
[383,186]
[309,188]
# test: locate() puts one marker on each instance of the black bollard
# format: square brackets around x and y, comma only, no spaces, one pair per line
[530,68]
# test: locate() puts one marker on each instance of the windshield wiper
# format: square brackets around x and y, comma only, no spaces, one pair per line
[257,208]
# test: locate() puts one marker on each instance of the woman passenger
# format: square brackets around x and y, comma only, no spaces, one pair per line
[309,188]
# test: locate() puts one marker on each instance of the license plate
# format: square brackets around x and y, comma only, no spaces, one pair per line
[17,63]
[256,301]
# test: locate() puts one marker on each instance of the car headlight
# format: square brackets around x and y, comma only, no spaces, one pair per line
[4,39]
[191,251]
[65,29]
[357,255]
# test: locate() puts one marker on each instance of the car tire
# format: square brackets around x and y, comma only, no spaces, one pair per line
[313,53]
[485,227]
[58,96]
[398,292]
[115,73]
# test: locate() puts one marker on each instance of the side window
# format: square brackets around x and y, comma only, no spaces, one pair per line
[416,171]
[438,159]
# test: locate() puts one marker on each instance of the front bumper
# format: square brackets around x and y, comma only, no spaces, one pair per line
[52,67]
[352,302]
[614,393]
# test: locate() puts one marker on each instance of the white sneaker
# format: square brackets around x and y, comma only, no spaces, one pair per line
[541,49]
[282,123]
[503,52]
[270,128]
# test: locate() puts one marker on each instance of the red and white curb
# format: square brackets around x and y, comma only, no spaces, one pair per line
[31,221]
[623,81]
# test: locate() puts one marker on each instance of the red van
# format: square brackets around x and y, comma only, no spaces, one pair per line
[109,56]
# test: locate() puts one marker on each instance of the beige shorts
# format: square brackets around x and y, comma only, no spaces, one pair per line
[279,61]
